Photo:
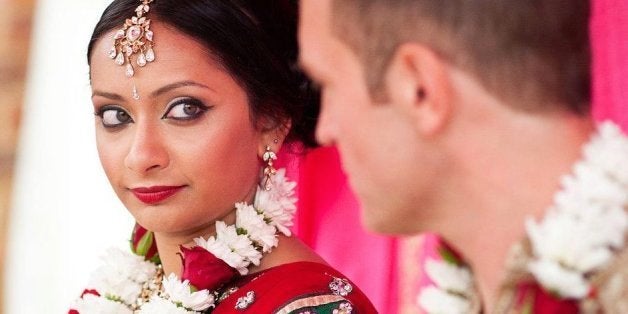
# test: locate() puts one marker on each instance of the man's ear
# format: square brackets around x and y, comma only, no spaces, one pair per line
[272,135]
[417,80]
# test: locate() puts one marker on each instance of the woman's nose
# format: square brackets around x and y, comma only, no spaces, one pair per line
[148,150]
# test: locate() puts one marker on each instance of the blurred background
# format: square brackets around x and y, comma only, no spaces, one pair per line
[15,30]
[57,211]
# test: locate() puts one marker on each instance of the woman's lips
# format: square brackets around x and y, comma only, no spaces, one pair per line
[155,194]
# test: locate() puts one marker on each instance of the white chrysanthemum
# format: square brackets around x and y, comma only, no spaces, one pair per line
[591,184]
[278,204]
[180,292]
[557,279]
[448,276]
[130,265]
[122,275]
[239,244]
[607,151]
[157,305]
[91,304]
[607,220]
[434,300]
[236,250]
[257,229]
[554,240]
[451,290]
[221,250]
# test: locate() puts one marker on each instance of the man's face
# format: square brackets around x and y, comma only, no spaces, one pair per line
[376,141]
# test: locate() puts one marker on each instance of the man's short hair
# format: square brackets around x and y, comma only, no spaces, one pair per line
[529,53]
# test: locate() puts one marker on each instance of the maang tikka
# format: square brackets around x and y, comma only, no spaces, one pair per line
[134,38]
[269,171]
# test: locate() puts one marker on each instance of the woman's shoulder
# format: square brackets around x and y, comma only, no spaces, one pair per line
[299,287]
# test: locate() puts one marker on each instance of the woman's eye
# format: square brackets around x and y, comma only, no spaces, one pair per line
[185,109]
[114,117]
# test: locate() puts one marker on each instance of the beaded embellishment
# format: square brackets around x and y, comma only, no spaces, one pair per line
[340,287]
[134,38]
[244,302]
[344,308]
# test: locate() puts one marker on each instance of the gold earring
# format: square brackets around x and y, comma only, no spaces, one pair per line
[269,171]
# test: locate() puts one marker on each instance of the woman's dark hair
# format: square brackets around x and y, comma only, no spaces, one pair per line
[255,40]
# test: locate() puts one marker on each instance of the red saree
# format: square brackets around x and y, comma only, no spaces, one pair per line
[301,287]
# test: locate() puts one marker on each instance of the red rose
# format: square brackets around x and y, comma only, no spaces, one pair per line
[204,270]
[143,244]
[533,299]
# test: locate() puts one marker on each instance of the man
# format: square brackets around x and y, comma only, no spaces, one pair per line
[461,117]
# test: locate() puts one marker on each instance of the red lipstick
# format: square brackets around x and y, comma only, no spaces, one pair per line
[155,194]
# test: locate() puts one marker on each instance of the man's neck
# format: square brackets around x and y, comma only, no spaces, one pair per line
[508,174]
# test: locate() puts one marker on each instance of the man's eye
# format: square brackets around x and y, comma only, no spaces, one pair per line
[185,109]
[113,117]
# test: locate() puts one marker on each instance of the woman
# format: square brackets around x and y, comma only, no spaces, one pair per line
[208,98]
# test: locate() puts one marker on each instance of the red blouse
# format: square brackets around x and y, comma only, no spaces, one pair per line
[300,287]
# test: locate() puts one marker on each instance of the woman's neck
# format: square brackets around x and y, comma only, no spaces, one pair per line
[168,243]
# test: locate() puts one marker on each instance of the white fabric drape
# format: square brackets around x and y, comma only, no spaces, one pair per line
[64,214]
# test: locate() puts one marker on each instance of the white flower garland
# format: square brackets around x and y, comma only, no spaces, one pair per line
[451,290]
[578,236]
[178,298]
[121,280]
[588,223]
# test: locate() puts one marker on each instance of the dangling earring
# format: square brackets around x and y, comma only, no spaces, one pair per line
[269,171]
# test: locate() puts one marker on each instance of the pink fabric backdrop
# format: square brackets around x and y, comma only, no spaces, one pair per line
[328,218]
[609,32]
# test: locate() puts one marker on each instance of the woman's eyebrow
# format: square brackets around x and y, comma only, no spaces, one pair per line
[112,96]
[176,85]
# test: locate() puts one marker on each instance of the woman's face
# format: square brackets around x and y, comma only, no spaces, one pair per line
[187,150]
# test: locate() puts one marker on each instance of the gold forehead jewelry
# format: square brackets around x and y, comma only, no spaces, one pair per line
[135,38]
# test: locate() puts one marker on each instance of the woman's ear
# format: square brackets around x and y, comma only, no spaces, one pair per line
[273,136]
[417,81]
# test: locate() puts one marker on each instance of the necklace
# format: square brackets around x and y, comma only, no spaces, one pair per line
[128,283]
[579,236]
